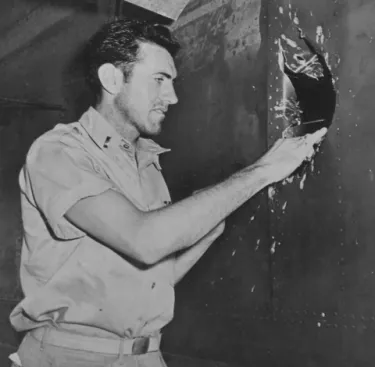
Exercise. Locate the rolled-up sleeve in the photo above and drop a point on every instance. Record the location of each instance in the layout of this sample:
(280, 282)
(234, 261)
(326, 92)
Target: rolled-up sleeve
(56, 177)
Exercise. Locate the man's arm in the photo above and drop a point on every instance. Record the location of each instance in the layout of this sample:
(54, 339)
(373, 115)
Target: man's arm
(185, 261)
(151, 236)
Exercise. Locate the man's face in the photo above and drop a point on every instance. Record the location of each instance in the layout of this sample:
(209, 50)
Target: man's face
(146, 95)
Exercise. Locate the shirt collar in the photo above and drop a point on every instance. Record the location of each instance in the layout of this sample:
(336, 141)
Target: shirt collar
(105, 136)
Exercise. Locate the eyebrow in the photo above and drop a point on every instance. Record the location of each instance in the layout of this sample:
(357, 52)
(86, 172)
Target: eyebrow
(168, 76)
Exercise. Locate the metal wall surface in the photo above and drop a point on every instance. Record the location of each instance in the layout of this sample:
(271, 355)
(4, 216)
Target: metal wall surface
(322, 224)
(316, 262)
(218, 127)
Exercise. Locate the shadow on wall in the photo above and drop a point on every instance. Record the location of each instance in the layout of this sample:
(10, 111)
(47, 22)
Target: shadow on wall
(80, 4)
(76, 92)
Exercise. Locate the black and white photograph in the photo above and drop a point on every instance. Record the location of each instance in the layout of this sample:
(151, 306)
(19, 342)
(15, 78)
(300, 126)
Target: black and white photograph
(187, 183)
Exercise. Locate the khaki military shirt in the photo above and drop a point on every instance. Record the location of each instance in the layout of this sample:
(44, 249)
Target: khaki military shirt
(69, 278)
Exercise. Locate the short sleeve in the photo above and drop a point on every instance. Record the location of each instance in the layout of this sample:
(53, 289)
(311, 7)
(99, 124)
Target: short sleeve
(55, 177)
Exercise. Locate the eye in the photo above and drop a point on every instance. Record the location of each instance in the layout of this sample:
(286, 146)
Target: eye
(159, 79)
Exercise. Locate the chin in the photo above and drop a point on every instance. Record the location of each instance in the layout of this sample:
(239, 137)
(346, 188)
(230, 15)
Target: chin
(151, 132)
(151, 127)
(155, 129)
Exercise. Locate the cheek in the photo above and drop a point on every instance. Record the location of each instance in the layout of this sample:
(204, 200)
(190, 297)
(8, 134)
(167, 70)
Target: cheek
(136, 101)
(143, 98)
(152, 91)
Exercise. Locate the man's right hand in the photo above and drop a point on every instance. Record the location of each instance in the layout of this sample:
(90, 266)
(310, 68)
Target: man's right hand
(286, 155)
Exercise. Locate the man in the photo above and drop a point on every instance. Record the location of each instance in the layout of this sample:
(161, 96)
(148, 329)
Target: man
(103, 246)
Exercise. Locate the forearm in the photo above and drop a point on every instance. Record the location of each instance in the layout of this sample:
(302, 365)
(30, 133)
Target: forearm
(185, 261)
(184, 223)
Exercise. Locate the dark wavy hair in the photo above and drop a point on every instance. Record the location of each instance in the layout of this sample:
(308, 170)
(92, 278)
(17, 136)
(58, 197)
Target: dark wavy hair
(118, 43)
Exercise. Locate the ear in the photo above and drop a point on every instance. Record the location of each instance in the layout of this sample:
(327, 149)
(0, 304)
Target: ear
(111, 78)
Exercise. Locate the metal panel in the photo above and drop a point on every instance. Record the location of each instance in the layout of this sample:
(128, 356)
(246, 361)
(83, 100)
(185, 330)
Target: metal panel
(322, 223)
(318, 310)
(31, 27)
(217, 128)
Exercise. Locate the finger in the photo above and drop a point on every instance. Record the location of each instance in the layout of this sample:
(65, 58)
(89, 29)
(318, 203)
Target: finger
(316, 137)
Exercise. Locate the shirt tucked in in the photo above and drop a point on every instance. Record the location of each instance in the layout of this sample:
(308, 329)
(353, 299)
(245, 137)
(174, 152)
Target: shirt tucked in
(67, 277)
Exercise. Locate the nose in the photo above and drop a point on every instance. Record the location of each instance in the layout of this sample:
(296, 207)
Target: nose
(170, 95)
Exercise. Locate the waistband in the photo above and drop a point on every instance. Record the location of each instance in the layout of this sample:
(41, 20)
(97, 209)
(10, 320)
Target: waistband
(66, 339)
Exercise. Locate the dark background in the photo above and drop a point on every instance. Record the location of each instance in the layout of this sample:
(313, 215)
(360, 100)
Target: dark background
(309, 303)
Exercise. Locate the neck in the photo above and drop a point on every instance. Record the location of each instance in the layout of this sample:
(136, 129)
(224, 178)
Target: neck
(123, 127)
